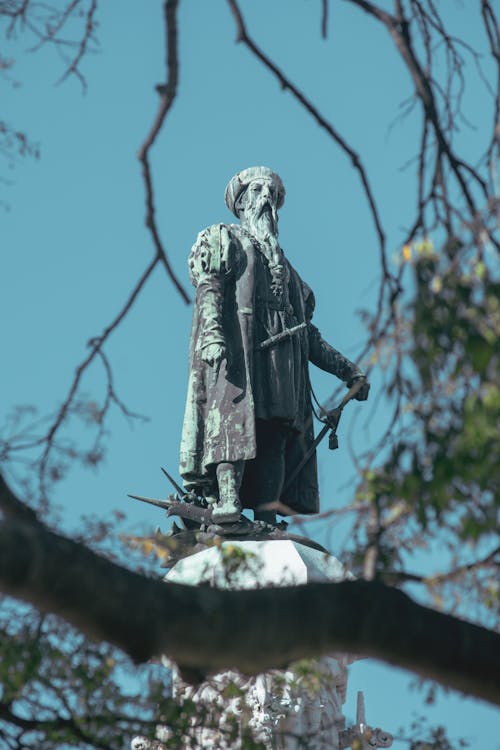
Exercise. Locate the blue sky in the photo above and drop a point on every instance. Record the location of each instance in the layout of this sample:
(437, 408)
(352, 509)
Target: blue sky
(73, 241)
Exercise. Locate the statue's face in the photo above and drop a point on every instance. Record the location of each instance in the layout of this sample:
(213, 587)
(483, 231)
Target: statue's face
(259, 192)
(259, 204)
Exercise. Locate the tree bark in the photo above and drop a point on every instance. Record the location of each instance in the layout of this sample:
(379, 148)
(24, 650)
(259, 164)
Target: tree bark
(207, 630)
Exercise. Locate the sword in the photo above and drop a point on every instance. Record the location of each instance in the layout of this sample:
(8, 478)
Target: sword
(332, 421)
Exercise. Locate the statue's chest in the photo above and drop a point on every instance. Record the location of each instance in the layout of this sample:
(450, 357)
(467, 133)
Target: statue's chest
(271, 282)
(266, 281)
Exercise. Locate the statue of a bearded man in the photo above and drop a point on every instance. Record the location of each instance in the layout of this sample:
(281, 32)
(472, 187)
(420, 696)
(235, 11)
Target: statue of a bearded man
(248, 420)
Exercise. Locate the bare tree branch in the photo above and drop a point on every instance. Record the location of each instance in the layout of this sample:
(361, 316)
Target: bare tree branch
(46, 23)
(324, 18)
(491, 559)
(95, 346)
(398, 26)
(285, 83)
(209, 629)
(83, 46)
(49, 32)
(11, 506)
(493, 33)
(167, 93)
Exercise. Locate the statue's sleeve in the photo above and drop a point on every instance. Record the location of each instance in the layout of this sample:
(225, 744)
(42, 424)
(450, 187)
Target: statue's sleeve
(210, 264)
(321, 353)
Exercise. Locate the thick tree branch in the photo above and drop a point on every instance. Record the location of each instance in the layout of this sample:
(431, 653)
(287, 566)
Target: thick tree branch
(11, 506)
(209, 629)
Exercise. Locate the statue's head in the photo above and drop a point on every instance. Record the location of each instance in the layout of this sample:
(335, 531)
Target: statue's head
(254, 196)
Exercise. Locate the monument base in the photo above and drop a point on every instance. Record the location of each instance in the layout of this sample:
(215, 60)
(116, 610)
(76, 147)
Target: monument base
(294, 709)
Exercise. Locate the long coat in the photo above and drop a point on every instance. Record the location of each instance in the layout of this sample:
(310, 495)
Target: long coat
(227, 267)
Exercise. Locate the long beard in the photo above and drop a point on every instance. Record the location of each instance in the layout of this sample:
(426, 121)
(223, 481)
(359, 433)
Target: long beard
(261, 220)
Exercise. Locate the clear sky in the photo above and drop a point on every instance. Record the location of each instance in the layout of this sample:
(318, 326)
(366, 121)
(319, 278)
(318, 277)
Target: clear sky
(73, 240)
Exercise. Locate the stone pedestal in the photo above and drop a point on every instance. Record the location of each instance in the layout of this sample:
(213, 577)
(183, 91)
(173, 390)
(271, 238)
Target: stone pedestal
(300, 708)
(250, 564)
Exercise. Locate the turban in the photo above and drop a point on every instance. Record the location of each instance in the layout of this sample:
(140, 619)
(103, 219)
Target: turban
(239, 183)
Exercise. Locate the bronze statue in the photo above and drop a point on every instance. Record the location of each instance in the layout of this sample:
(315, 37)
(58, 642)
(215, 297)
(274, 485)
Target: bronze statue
(248, 420)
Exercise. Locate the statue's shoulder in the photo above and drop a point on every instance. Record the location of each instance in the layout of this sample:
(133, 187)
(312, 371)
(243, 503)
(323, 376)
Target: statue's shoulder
(213, 251)
(215, 230)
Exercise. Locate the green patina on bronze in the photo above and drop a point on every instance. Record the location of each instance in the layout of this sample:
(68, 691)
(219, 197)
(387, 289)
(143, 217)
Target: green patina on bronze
(248, 420)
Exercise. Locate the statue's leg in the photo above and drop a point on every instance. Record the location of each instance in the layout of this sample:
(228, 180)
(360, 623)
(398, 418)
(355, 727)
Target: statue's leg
(264, 476)
(268, 516)
(228, 507)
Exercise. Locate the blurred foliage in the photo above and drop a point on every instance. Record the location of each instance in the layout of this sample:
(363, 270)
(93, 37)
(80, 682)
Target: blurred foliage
(436, 737)
(440, 478)
(58, 689)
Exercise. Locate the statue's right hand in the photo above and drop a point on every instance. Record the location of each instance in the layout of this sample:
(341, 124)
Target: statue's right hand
(213, 354)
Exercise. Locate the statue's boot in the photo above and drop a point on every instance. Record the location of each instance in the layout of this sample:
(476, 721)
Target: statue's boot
(227, 510)
(228, 507)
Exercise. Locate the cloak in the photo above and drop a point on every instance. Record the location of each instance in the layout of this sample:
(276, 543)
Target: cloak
(231, 274)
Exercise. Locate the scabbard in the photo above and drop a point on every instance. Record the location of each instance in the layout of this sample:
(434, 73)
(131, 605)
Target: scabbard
(272, 340)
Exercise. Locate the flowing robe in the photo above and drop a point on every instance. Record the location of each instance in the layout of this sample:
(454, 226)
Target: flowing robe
(237, 305)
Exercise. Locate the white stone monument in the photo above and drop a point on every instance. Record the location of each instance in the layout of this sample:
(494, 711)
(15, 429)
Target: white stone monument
(297, 709)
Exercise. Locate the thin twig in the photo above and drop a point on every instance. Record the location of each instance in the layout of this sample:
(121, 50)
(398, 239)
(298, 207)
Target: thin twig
(167, 93)
(286, 83)
(82, 47)
(395, 577)
(324, 18)
(95, 344)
